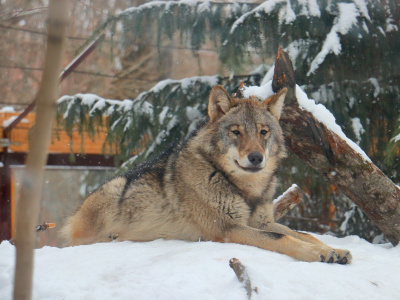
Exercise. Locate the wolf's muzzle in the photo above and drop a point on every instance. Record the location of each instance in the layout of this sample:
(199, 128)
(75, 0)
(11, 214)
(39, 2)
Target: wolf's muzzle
(255, 158)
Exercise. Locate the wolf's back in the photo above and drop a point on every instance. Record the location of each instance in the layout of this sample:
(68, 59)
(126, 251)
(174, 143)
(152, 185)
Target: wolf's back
(119, 204)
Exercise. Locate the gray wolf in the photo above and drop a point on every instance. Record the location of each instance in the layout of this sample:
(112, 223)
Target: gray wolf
(217, 185)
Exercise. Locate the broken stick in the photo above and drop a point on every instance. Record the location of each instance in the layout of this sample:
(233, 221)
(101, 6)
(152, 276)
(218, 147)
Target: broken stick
(287, 201)
(242, 275)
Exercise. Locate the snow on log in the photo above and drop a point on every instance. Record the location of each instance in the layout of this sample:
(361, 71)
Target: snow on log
(287, 201)
(326, 149)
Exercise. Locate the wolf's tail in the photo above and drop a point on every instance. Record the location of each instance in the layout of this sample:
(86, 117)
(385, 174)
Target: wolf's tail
(75, 232)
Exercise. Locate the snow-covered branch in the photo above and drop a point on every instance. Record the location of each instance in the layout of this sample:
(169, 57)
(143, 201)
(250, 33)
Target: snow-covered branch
(158, 115)
(237, 28)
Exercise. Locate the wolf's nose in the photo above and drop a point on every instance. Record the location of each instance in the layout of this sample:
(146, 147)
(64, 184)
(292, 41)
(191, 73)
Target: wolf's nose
(255, 158)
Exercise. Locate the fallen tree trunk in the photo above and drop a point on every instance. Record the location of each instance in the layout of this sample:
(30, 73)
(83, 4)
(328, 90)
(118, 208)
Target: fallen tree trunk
(322, 149)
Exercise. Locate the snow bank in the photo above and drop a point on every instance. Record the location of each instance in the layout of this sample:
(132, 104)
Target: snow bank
(199, 270)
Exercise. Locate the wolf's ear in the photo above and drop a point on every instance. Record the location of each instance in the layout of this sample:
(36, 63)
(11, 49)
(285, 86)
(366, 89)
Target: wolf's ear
(275, 103)
(219, 103)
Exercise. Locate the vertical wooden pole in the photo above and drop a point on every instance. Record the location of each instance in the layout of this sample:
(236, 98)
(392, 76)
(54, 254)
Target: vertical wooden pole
(28, 205)
(5, 198)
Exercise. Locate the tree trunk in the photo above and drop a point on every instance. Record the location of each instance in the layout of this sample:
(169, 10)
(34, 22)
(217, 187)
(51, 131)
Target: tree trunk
(28, 205)
(337, 161)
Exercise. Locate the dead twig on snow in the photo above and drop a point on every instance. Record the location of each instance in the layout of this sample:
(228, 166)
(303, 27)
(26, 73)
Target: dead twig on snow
(242, 275)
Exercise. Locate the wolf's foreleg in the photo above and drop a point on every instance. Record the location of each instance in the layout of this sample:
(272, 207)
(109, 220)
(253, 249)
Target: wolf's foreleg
(279, 228)
(305, 237)
(285, 244)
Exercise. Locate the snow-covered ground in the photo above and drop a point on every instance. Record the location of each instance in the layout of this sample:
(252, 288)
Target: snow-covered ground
(200, 270)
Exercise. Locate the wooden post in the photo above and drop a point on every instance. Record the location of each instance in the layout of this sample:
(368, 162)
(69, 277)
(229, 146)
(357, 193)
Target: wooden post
(28, 206)
(5, 199)
(327, 153)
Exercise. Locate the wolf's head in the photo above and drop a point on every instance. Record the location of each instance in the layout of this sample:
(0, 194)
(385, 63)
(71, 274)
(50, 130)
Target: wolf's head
(245, 133)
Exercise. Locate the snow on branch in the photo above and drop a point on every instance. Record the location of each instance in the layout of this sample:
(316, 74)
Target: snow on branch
(310, 30)
(286, 13)
(192, 18)
(158, 115)
(347, 18)
(393, 147)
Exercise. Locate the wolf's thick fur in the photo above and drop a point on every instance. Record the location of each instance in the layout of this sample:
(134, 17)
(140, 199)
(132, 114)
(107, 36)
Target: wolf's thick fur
(217, 185)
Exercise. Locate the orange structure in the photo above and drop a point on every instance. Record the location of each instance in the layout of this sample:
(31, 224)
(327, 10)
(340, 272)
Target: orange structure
(84, 150)
(61, 142)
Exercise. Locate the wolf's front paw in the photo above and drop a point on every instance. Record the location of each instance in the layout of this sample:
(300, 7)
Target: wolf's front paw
(328, 256)
(344, 256)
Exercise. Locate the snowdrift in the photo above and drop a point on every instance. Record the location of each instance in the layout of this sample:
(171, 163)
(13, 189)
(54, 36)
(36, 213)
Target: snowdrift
(200, 270)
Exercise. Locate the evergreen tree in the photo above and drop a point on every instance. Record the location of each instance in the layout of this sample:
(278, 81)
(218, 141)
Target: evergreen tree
(345, 54)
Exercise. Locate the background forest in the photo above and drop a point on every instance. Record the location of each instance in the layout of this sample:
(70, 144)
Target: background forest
(167, 55)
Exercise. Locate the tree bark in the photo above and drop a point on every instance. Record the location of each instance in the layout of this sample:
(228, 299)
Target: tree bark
(28, 205)
(323, 150)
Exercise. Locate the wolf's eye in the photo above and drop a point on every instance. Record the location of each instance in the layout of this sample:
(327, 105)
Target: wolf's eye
(236, 132)
(263, 132)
